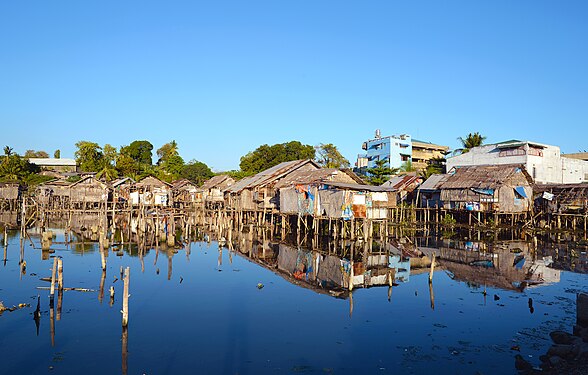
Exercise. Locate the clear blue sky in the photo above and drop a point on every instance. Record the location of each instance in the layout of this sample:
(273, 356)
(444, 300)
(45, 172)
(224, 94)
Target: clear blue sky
(223, 77)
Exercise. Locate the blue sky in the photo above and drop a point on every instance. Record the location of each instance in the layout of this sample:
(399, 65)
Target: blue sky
(223, 77)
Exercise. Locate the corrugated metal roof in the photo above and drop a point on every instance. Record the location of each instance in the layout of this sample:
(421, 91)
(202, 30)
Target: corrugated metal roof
(53, 162)
(401, 182)
(433, 182)
(215, 181)
(316, 176)
(151, 181)
(483, 177)
(269, 175)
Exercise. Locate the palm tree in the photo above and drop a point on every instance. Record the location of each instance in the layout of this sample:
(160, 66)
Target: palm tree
(471, 141)
(7, 150)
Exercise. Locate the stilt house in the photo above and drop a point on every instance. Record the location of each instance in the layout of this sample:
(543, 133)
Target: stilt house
(258, 192)
(212, 190)
(89, 193)
(490, 188)
(150, 191)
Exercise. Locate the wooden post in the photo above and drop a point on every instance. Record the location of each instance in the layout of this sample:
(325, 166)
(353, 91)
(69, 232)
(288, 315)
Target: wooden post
(125, 308)
(60, 275)
(53, 272)
(125, 343)
(432, 269)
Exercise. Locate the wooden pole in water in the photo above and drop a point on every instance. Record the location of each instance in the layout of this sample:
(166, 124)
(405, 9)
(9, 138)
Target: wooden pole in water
(125, 343)
(432, 269)
(125, 308)
(60, 275)
(52, 293)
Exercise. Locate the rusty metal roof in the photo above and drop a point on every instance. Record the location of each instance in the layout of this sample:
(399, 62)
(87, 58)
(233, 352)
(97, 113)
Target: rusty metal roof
(433, 182)
(402, 182)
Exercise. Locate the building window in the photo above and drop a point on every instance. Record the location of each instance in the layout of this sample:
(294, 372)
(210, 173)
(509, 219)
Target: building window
(534, 172)
(535, 151)
(512, 152)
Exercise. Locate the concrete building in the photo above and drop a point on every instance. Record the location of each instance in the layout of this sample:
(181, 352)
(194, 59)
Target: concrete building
(397, 150)
(543, 162)
(55, 165)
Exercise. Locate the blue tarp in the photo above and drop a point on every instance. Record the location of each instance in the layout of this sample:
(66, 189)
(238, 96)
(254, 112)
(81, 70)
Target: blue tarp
(484, 191)
(521, 191)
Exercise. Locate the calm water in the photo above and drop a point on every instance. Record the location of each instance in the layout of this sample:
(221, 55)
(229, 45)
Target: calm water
(206, 314)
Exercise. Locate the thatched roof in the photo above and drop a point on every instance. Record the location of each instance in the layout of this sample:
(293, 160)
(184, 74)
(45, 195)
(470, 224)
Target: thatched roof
(270, 175)
(483, 177)
(151, 181)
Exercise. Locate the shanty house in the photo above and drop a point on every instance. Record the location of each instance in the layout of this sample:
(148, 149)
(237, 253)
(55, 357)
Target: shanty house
(88, 193)
(495, 188)
(184, 193)
(150, 191)
(53, 194)
(430, 191)
(258, 191)
(570, 198)
(121, 190)
(212, 190)
(10, 192)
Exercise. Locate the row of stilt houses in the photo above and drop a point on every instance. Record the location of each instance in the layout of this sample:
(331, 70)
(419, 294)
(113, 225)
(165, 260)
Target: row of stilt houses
(301, 193)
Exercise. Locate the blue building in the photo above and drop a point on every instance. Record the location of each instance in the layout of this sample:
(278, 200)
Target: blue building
(395, 149)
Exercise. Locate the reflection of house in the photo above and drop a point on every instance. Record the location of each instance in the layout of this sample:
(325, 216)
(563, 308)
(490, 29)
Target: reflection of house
(430, 191)
(497, 188)
(543, 162)
(506, 265)
(212, 190)
(88, 193)
(150, 191)
(258, 191)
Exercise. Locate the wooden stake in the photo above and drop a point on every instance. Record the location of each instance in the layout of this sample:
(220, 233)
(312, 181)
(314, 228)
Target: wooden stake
(125, 308)
(52, 293)
(60, 274)
(432, 269)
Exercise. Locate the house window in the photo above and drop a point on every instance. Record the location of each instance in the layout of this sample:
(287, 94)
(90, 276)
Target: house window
(534, 172)
(512, 152)
(585, 176)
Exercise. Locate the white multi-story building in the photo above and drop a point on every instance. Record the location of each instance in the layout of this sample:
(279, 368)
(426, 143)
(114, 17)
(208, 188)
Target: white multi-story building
(543, 162)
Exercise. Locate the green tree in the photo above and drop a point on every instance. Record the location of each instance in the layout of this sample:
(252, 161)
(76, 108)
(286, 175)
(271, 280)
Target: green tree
(266, 156)
(380, 173)
(196, 172)
(166, 151)
(471, 141)
(328, 156)
(89, 156)
(35, 154)
(435, 166)
(139, 151)
(171, 169)
(407, 167)
(57, 154)
(13, 167)
(108, 171)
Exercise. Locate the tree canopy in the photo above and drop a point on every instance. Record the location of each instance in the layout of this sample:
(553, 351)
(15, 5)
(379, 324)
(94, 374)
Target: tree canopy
(380, 173)
(89, 156)
(36, 154)
(328, 156)
(471, 141)
(139, 151)
(266, 156)
(196, 172)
